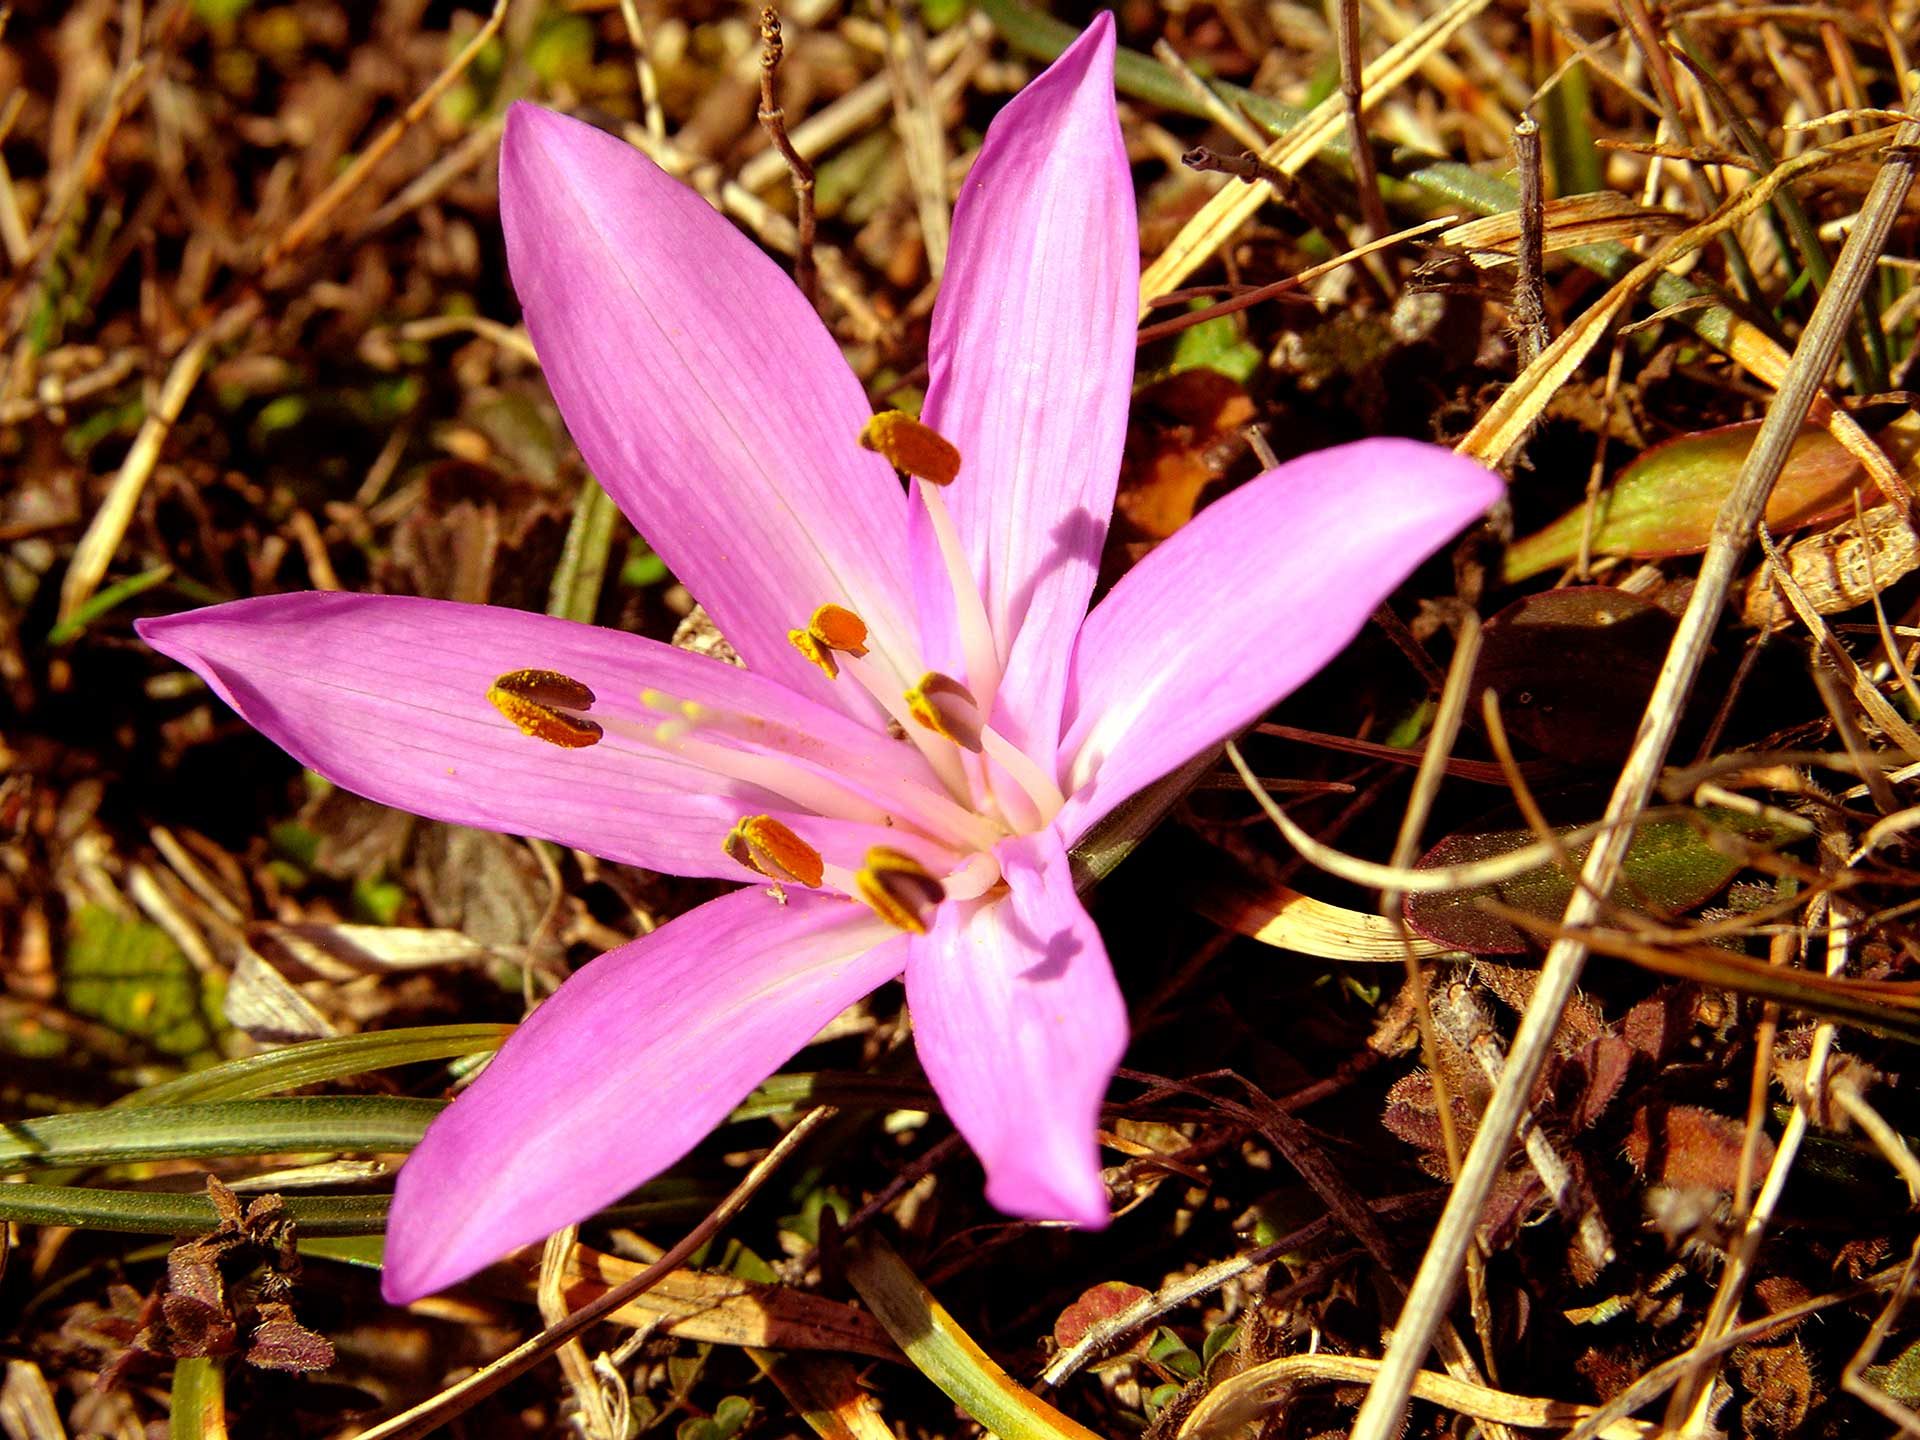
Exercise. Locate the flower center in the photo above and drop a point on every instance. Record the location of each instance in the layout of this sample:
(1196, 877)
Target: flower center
(920, 831)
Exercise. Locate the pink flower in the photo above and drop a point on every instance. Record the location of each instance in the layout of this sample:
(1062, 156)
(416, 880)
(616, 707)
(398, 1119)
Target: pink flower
(915, 812)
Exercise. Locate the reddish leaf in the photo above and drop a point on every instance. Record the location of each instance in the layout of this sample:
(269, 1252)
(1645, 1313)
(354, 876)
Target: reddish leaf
(1573, 669)
(1102, 1302)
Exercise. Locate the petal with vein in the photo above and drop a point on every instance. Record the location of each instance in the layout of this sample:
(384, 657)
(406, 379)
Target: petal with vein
(630, 1064)
(386, 696)
(705, 394)
(1247, 602)
(1019, 1025)
(1030, 367)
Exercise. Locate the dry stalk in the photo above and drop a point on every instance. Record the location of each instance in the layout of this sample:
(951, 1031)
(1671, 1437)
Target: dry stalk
(1853, 1379)
(654, 117)
(594, 1419)
(1386, 1403)
(1529, 285)
(855, 110)
(923, 139)
(1366, 176)
(774, 121)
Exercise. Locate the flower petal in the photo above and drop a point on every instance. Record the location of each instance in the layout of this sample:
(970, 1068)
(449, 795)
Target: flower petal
(1019, 1025)
(387, 696)
(705, 394)
(1030, 366)
(630, 1064)
(1246, 602)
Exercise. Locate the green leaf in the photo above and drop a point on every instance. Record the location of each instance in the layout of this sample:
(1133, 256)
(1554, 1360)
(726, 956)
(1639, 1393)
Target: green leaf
(1219, 1340)
(1217, 345)
(131, 976)
(1665, 502)
(1901, 1378)
(360, 1124)
(731, 1415)
(312, 1061)
(946, 1354)
(1161, 1396)
(1170, 1352)
(106, 600)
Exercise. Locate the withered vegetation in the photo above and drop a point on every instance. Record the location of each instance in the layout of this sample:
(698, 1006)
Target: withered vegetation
(258, 337)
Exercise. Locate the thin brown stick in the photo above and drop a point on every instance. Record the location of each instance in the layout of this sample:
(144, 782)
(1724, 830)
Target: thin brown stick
(1249, 298)
(774, 121)
(457, 1399)
(1366, 176)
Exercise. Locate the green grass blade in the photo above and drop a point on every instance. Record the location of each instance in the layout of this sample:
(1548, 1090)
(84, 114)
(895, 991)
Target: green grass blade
(575, 591)
(142, 1212)
(311, 1061)
(197, 1407)
(362, 1125)
(946, 1354)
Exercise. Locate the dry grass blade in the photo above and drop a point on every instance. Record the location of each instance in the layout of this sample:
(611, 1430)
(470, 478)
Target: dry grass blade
(104, 532)
(1437, 880)
(1433, 1287)
(1256, 1394)
(1566, 222)
(1508, 420)
(457, 1399)
(1233, 206)
(1288, 920)
(311, 221)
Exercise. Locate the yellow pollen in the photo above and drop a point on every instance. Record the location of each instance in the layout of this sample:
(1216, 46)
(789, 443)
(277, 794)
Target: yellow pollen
(899, 889)
(805, 642)
(946, 707)
(532, 700)
(908, 445)
(764, 845)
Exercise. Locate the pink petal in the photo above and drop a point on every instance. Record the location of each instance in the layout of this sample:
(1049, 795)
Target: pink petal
(705, 394)
(1031, 361)
(1246, 602)
(387, 697)
(1019, 1025)
(630, 1064)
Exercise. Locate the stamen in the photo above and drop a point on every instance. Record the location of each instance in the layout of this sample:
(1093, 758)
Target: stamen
(973, 879)
(767, 847)
(899, 889)
(945, 764)
(805, 642)
(1041, 787)
(531, 699)
(910, 446)
(838, 628)
(833, 627)
(969, 607)
(946, 707)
